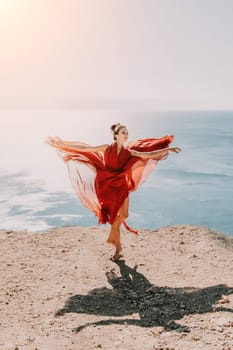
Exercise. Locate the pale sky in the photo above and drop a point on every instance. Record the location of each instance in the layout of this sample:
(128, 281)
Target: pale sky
(167, 53)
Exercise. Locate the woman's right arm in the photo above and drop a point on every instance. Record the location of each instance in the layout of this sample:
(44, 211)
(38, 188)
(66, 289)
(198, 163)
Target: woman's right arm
(58, 143)
(148, 155)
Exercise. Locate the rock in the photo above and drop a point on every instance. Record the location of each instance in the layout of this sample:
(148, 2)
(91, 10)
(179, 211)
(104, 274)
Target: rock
(221, 321)
(31, 339)
(152, 289)
(224, 299)
(196, 337)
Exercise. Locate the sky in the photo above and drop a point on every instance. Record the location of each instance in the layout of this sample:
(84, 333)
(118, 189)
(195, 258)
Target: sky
(159, 53)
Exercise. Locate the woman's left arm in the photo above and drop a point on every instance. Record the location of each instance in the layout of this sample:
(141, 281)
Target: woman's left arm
(152, 154)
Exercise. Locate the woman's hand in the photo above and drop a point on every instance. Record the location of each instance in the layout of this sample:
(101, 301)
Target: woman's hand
(175, 149)
(55, 141)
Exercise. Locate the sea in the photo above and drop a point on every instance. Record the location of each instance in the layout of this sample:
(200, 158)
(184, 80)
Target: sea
(193, 187)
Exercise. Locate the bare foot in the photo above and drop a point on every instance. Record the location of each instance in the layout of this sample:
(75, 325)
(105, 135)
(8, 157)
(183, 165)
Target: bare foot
(116, 257)
(117, 254)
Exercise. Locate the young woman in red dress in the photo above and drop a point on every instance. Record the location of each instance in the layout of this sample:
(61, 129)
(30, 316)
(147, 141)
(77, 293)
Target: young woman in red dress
(103, 176)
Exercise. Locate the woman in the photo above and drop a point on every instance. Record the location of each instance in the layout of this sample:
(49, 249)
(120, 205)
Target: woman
(104, 175)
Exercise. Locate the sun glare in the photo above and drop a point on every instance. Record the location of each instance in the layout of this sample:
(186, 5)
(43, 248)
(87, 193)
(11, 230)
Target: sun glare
(5, 5)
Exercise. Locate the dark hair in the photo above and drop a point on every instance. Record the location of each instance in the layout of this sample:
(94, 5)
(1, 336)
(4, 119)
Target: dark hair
(115, 128)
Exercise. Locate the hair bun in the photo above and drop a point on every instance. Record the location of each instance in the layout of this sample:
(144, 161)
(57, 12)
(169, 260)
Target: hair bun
(114, 126)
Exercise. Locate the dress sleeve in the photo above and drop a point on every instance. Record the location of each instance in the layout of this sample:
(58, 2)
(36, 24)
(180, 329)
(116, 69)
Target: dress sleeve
(82, 169)
(139, 169)
(150, 144)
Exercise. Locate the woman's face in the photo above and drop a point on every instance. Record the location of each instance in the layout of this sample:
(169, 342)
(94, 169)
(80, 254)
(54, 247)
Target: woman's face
(122, 135)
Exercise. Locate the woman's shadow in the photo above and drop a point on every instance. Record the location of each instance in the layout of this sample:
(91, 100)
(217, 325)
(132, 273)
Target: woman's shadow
(132, 293)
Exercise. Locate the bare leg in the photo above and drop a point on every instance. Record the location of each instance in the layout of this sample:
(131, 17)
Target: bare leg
(114, 235)
(114, 238)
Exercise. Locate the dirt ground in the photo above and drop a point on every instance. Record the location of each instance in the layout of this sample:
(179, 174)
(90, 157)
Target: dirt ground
(172, 289)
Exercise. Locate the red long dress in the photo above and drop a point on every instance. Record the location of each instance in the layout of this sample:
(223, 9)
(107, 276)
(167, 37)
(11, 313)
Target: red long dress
(103, 181)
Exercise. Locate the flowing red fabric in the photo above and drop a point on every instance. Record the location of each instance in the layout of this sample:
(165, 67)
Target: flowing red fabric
(103, 181)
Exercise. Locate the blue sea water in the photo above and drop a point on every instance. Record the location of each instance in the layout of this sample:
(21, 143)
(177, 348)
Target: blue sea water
(192, 187)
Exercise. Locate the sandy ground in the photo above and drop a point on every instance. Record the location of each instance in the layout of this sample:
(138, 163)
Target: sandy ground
(172, 289)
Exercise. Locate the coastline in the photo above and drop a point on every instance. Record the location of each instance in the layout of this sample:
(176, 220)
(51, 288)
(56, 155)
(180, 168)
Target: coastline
(172, 289)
